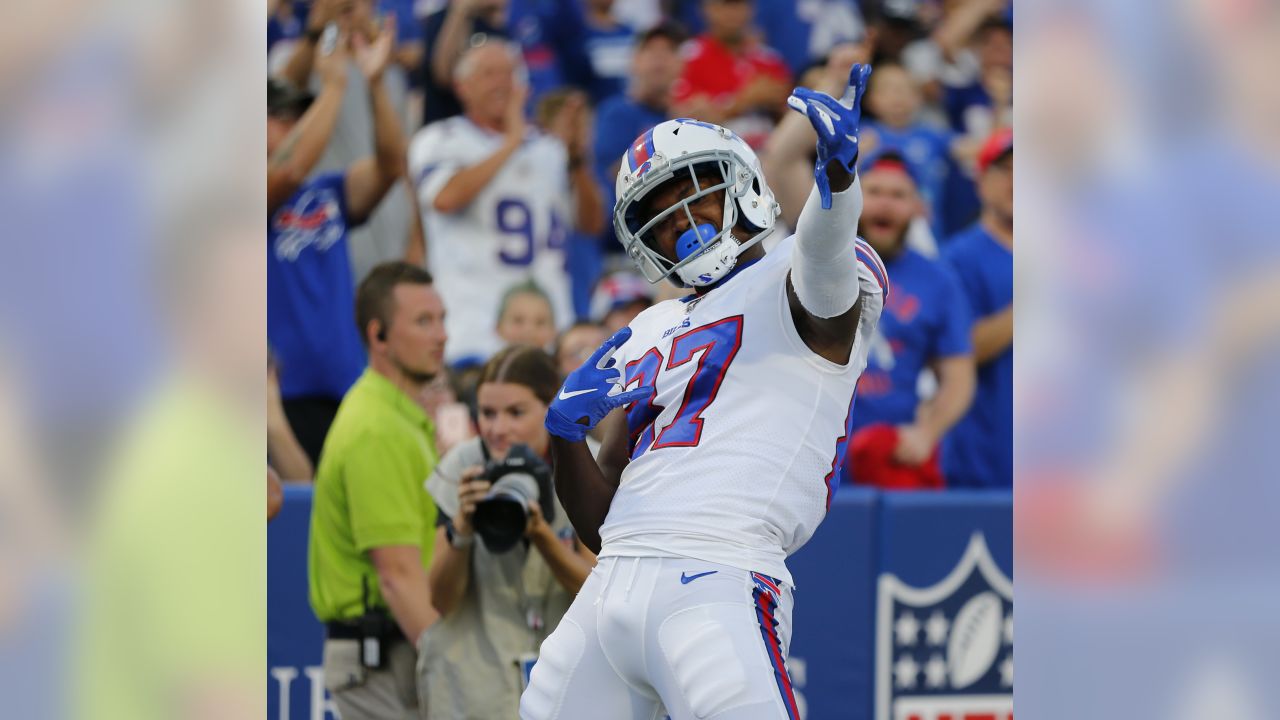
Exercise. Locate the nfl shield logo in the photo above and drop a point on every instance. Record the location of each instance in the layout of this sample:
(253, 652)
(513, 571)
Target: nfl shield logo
(945, 652)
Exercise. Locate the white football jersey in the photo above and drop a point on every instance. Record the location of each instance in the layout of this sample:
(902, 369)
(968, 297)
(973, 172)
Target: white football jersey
(734, 459)
(515, 230)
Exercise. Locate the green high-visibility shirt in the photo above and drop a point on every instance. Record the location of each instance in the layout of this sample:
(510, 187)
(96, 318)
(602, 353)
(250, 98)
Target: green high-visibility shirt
(368, 493)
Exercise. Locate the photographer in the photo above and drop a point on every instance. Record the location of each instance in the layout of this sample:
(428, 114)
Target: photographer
(506, 563)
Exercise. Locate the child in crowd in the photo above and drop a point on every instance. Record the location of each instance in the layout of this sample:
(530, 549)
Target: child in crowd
(525, 317)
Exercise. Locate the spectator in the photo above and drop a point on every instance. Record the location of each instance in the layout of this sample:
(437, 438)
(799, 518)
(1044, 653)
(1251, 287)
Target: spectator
(895, 100)
(284, 452)
(971, 55)
(806, 31)
(576, 344)
(309, 284)
(550, 37)
(731, 77)
(448, 32)
(389, 231)
(979, 450)
(618, 299)
(525, 317)
(896, 25)
(496, 197)
(496, 604)
(986, 104)
(655, 68)
(966, 67)
(372, 525)
(609, 45)
(925, 325)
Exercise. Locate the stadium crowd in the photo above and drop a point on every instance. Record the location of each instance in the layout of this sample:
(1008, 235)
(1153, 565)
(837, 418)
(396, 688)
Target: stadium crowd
(440, 187)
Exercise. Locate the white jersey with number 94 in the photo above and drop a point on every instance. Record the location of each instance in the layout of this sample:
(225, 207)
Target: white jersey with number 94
(514, 230)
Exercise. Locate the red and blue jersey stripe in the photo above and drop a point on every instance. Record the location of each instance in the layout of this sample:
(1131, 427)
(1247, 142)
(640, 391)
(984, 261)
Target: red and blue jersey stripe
(765, 596)
(871, 260)
(834, 477)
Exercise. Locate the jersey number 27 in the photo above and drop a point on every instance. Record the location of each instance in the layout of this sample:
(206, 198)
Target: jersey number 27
(715, 345)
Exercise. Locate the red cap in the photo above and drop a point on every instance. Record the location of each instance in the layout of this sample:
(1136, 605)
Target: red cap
(1000, 142)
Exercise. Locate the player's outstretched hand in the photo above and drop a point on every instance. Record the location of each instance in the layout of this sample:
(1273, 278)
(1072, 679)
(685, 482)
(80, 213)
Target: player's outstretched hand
(836, 122)
(591, 392)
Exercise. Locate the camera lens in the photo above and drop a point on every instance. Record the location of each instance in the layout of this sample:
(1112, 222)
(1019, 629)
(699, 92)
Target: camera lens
(500, 519)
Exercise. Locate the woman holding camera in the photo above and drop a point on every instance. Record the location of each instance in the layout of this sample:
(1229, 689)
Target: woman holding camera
(500, 590)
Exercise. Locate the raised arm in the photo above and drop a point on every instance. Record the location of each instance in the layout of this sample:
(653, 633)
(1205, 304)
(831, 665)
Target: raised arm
(788, 154)
(824, 285)
(451, 40)
(298, 154)
(590, 393)
(572, 124)
(958, 25)
(297, 69)
(369, 179)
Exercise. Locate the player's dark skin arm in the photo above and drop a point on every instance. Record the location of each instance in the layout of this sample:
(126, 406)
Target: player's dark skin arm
(586, 487)
(831, 338)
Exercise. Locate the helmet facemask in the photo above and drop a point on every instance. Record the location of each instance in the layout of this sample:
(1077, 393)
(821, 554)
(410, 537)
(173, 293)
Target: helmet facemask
(705, 254)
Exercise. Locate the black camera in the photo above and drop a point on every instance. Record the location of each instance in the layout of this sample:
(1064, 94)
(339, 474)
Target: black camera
(519, 480)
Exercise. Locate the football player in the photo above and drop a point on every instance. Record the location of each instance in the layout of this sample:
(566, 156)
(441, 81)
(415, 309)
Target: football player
(737, 401)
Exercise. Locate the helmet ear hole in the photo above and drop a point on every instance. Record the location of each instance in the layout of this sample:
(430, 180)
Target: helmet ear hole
(755, 185)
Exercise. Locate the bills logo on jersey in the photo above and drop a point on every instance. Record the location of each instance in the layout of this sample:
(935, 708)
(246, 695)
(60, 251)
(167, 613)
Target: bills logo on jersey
(945, 652)
(672, 330)
(312, 219)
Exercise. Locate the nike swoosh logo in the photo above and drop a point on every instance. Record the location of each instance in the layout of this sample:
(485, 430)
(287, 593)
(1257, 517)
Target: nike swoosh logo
(686, 579)
(566, 395)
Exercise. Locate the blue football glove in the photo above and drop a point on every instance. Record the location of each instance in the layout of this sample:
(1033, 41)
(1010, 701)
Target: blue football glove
(591, 391)
(836, 123)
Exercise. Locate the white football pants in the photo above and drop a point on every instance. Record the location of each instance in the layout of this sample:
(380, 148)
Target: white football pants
(647, 637)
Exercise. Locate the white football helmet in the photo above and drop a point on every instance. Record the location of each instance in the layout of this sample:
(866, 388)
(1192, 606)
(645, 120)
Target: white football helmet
(705, 254)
